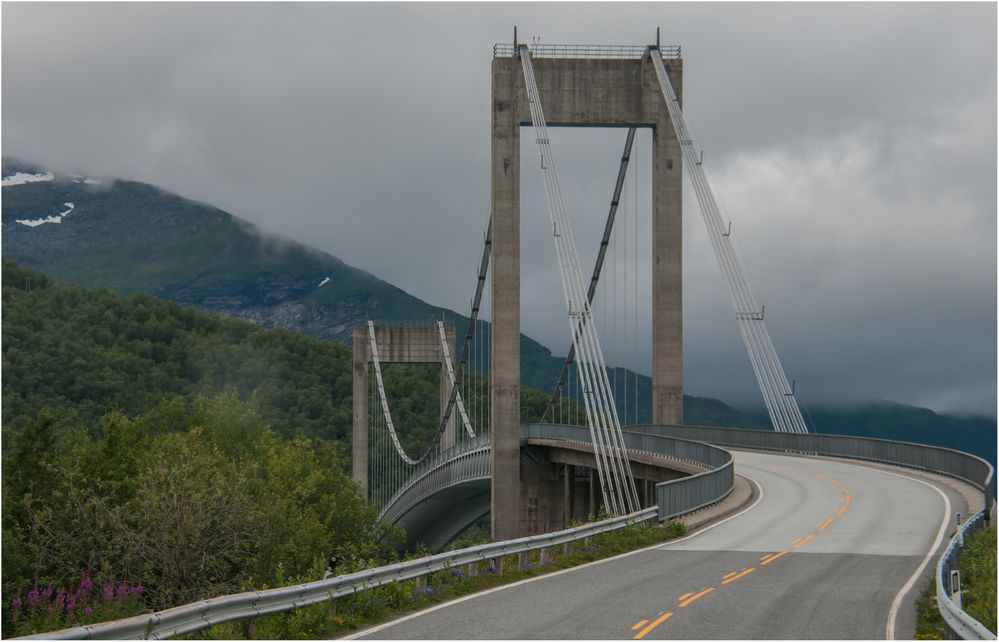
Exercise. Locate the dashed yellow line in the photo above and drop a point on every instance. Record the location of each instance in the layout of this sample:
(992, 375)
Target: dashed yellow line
(662, 618)
(824, 524)
(696, 596)
(725, 577)
(740, 575)
(767, 556)
(639, 624)
(774, 558)
(684, 596)
(841, 510)
(844, 490)
(804, 540)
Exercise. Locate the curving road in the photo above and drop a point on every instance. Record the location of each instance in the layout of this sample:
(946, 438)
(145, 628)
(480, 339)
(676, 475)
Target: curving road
(824, 552)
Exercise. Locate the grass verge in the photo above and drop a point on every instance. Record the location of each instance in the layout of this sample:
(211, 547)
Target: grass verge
(977, 564)
(374, 606)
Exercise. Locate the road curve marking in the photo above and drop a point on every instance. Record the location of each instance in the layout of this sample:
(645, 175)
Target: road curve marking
(775, 558)
(662, 618)
(696, 597)
(823, 525)
(804, 540)
(638, 625)
(740, 575)
(537, 578)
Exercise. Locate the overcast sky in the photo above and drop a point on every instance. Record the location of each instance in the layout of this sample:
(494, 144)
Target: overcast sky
(852, 145)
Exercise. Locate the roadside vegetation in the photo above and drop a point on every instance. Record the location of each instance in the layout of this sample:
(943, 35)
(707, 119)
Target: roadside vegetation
(977, 564)
(374, 606)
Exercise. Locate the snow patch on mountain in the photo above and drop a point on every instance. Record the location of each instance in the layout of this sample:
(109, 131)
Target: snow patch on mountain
(35, 222)
(20, 178)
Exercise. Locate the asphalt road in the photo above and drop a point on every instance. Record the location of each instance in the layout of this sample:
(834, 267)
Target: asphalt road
(824, 553)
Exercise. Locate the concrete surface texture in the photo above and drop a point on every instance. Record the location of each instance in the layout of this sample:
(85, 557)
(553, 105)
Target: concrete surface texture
(581, 92)
(823, 553)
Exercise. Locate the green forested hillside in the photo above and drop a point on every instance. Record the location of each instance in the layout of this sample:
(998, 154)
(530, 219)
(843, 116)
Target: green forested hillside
(136, 238)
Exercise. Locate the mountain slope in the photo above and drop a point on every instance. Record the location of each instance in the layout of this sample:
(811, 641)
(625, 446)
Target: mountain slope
(133, 237)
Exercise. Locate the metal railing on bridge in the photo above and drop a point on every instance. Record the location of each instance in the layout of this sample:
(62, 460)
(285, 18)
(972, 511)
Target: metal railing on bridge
(506, 50)
(953, 463)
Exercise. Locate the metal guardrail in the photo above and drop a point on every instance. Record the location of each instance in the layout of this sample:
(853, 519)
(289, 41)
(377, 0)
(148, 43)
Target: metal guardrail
(506, 50)
(962, 624)
(953, 463)
(206, 613)
(674, 497)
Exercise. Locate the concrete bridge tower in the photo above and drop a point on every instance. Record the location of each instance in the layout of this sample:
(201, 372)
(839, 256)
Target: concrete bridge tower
(578, 86)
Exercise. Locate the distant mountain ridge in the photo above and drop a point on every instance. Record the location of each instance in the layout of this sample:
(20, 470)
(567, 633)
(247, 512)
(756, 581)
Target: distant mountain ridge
(134, 237)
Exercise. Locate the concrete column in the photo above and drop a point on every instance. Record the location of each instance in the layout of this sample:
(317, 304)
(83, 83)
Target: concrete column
(569, 494)
(504, 394)
(667, 265)
(359, 435)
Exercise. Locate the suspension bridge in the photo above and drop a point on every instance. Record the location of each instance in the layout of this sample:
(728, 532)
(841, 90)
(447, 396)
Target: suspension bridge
(478, 461)
(830, 534)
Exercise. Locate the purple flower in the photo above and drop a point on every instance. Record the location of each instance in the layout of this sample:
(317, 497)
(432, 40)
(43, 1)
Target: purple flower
(70, 603)
(47, 592)
(138, 589)
(122, 590)
(33, 596)
(16, 603)
(86, 584)
(87, 610)
(108, 591)
(57, 603)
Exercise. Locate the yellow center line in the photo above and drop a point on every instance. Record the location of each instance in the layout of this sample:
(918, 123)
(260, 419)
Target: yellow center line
(840, 510)
(804, 541)
(796, 542)
(639, 624)
(766, 557)
(684, 596)
(834, 482)
(825, 524)
(845, 490)
(696, 597)
(775, 557)
(849, 498)
(655, 623)
(729, 575)
(742, 574)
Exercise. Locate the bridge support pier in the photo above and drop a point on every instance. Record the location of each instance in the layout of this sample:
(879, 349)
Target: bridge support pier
(619, 92)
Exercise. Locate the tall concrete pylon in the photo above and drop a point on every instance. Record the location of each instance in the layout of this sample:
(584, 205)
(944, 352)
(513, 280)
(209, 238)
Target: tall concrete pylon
(579, 86)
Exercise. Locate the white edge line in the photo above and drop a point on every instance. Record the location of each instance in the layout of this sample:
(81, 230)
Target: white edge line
(897, 602)
(496, 589)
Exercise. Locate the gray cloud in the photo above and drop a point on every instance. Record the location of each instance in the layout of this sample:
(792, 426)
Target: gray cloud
(854, 146)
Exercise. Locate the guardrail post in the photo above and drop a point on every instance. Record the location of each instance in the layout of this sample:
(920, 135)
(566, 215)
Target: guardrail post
(522, 562)
(566, 548)
(545, 557)
(473, 569)
(421, 584)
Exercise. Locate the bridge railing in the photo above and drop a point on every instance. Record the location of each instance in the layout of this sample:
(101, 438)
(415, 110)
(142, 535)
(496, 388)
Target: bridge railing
(966, 467)
(674, 497)
(201, 615)
(463, 462)
(958, 621)
(506, 50)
